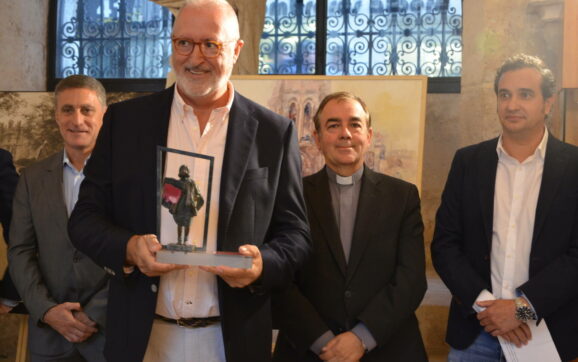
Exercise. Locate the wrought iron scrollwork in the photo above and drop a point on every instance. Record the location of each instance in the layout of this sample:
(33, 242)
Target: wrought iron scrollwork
(369, 37)
(288, 41)
(113, 39)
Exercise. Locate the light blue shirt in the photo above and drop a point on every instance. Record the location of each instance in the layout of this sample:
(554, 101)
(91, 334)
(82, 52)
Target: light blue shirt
(72, 178)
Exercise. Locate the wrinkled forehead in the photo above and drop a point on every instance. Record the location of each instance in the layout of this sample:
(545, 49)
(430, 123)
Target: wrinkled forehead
(206, 22)
(77, 97)
(527, 78)
(348, 107)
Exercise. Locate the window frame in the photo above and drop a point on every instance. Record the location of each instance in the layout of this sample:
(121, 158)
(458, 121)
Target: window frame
(434, 84)
(110, 84)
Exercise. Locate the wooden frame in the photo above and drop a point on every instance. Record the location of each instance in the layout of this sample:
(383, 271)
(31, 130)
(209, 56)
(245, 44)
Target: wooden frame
(396, 105)
(570, 52)
(570, 71)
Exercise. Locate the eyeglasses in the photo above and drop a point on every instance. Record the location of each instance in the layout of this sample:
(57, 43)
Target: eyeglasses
(209, 48)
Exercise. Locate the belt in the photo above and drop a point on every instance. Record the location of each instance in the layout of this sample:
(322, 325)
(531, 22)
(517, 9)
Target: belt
(190, 322)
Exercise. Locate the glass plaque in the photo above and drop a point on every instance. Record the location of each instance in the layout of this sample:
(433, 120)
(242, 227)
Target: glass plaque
(183, 210)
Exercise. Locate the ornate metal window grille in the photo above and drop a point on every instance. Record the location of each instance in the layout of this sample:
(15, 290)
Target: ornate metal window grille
(366, 37)
(112, 39)
(288, 40)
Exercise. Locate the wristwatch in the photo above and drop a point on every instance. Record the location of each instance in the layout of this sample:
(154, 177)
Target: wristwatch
(524, 312)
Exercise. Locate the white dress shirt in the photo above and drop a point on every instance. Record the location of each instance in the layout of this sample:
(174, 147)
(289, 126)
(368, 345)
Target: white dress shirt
(515, 200)
(192, 292)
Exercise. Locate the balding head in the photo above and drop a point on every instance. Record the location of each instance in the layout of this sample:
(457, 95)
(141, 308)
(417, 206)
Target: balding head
(202, 75)
(230, 13)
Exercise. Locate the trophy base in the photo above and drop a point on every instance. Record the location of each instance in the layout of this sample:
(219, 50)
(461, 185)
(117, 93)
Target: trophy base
(185, 255)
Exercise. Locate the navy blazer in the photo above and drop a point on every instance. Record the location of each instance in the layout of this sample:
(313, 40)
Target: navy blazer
(463, 238)
(260, 201)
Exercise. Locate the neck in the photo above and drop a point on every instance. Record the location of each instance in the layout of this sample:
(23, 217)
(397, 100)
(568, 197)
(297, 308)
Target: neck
(345, 170)
(204, 105)
(521, 147)
(77, 157)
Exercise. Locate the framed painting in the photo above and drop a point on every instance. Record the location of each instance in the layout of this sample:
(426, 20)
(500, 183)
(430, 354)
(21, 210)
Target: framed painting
(396, 105)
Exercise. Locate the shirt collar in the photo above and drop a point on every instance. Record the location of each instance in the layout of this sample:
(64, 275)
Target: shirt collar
(66, 162)
(344, 181)
(539, 152)
(180, 106)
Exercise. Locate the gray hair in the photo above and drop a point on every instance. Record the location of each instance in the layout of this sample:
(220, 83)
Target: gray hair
(340, 97)
(223, 3)
(81, 81)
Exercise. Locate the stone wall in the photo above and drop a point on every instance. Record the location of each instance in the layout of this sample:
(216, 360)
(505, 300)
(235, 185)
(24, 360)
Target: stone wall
(23, 41)
(493, 30)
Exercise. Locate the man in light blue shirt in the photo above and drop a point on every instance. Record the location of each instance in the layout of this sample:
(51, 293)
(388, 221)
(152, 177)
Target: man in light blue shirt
(64, 291)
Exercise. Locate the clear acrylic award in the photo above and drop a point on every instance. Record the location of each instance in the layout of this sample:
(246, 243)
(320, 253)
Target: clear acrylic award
(183, 210)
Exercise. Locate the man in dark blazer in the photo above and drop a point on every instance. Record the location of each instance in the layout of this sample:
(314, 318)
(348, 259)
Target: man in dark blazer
(356, 297)
(64, 291)
(507, 227)
(8, 179)
(261, 208)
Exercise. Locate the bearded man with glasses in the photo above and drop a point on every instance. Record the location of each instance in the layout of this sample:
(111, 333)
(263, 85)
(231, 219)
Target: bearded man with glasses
(165, 312)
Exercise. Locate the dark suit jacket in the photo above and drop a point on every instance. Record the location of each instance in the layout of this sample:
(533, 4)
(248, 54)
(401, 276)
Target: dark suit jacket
(463, 239)
(8, 181)
(47, 270)
(381, 286)
(260, 202)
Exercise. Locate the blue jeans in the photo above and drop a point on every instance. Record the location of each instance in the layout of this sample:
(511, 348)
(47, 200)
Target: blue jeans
(484, 349)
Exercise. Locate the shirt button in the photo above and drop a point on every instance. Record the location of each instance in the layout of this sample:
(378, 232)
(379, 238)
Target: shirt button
(347, 294)
(154, 288)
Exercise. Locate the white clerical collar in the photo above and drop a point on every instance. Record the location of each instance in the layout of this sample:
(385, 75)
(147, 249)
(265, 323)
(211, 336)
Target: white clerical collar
(344, 180)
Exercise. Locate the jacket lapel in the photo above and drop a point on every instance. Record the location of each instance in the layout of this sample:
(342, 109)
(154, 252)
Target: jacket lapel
(370, 208)
(241, 133)
(554, 167)
(153, 133)
(487, 166)
(53, 189)
(158, 117)
(319, 199)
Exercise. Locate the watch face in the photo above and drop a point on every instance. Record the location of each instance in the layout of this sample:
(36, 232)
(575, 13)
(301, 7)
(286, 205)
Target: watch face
(524, 314)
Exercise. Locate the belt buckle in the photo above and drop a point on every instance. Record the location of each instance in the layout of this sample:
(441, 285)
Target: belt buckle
(180, 323)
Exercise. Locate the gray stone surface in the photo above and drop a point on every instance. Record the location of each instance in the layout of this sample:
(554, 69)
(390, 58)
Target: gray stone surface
(24, 45)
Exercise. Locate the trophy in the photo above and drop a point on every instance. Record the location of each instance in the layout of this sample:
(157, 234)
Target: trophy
(183, 210)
